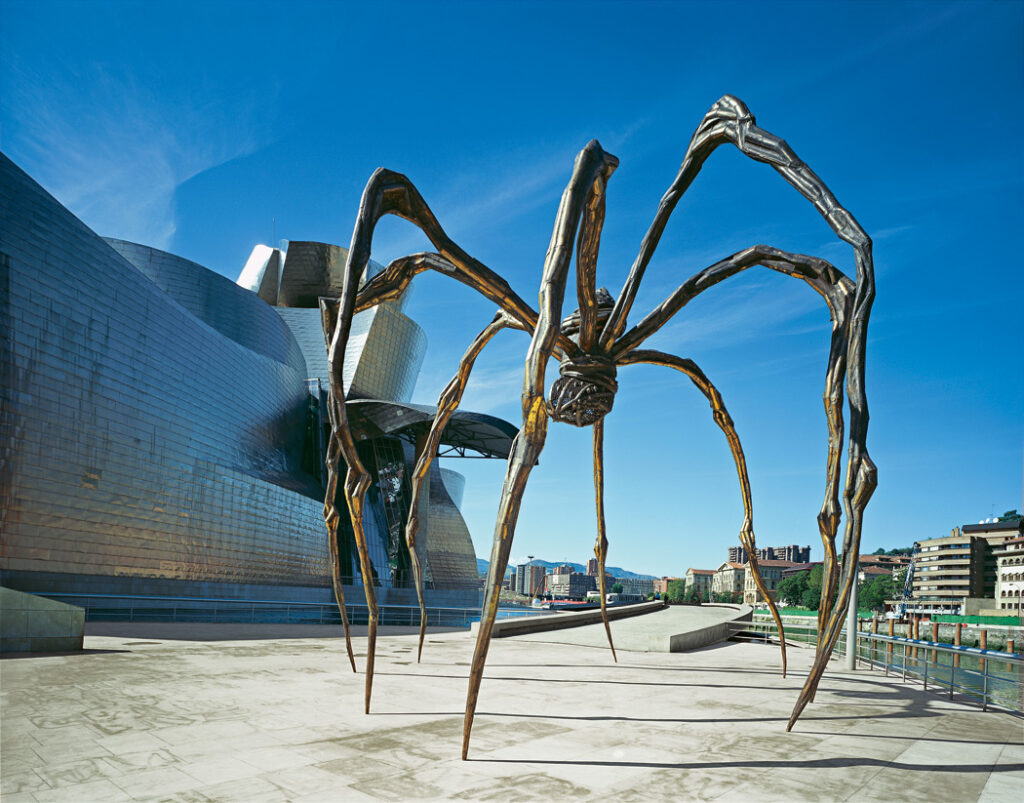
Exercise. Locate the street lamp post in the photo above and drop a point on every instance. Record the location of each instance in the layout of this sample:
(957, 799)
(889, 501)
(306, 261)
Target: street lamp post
(851, 628)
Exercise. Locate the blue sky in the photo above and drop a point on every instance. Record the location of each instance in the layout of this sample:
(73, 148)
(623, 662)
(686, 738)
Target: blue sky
(208, 128)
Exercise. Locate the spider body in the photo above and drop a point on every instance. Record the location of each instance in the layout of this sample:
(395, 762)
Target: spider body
(584, 392)
(591, 345)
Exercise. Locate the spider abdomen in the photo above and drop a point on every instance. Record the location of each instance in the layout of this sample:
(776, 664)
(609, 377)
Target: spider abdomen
(584, 392)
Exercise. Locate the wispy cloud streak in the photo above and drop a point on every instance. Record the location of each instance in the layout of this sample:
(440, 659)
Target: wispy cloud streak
(477, 202)
(116, 154)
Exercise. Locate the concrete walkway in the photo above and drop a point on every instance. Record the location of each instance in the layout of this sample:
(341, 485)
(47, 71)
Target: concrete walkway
(652, 632)
(139, 716)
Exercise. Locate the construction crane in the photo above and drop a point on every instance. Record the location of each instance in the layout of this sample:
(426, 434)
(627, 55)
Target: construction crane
(901, 609)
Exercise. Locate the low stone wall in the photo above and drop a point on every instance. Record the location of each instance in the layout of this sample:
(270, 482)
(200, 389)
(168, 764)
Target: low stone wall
(557, 621)
(712, 634)
(35, 624)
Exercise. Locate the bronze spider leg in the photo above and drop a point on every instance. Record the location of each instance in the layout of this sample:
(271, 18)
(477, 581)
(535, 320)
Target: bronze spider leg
(388, 192)
(591, 165)
(601, 544)
(725, 423)
(331, 515)
(729, 120)
(447, 404)
(838, 292)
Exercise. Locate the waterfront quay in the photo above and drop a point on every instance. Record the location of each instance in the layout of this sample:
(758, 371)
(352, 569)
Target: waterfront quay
(186, 712)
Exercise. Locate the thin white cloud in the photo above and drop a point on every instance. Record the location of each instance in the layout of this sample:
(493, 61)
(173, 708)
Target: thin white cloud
(114, 151)
(479, 201)
(747, 312)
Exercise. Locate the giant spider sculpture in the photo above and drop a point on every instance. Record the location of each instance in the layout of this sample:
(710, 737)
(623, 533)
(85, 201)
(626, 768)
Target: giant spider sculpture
(590, 345)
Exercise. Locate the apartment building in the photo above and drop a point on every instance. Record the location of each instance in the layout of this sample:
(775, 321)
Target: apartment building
(700, 579)
(958, 573)
(771, 574)
(728, 578)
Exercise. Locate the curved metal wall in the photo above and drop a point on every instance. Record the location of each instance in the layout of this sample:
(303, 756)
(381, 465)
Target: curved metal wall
(144, 435)
(216, 301)
(450, 553)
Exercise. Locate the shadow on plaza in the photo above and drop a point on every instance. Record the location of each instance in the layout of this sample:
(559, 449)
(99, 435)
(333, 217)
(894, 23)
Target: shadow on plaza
(814, 763)
(7, 656)
(600, 681)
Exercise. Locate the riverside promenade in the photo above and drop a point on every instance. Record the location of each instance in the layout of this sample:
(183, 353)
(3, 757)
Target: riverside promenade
(250, 713)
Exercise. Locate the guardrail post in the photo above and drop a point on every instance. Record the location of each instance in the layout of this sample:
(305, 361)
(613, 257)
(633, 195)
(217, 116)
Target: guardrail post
(1009, 649)
(851, 629)
(952, 672)
(984, 688)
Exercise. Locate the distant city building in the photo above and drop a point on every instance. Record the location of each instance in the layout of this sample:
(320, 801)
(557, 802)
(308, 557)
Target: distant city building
(661, 585)
(570, 585)
(737, 554)
(700, 580)
(529, 579)
(1010, 575)
(728, 579)
(771, 573)
(868, 566)
(794, 553)
(565, 568)
(592, 568)
(636, 586)
(958, 572)
(520, 576)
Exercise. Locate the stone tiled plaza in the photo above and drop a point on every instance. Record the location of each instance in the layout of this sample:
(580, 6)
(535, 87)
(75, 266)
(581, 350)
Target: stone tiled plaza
(246, 713)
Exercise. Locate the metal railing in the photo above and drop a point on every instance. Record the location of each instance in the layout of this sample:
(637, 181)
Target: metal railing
(121, 608)
(988, 677)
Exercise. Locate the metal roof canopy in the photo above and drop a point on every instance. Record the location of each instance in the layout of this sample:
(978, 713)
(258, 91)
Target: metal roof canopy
(472, 435)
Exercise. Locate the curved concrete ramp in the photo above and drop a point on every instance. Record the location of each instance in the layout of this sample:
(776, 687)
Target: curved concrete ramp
(677, 628)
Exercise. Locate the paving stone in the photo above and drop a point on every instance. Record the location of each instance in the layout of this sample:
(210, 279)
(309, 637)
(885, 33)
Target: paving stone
(198, 721)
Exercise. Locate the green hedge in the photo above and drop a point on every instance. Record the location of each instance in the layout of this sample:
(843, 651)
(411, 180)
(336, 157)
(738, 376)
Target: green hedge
(975, 620)
(810, 612)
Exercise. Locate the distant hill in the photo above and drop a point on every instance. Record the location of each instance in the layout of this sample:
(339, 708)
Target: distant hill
(482, 566)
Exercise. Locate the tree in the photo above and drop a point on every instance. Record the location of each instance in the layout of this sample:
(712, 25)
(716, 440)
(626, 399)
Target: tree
(791, 589)
(693, 595)
(616, 588)
(873, 593)
(676, 590)
(811, 598)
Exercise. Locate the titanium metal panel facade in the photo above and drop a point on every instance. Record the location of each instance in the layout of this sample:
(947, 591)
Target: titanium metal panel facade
(157, 434)
(449, 548)
(385, 354)
(139, 440)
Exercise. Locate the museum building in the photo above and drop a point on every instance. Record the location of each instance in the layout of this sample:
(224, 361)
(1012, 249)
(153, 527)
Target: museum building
(163, 429)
